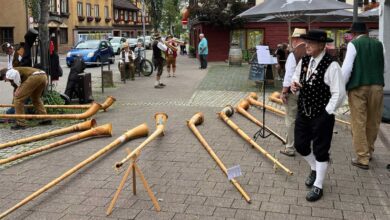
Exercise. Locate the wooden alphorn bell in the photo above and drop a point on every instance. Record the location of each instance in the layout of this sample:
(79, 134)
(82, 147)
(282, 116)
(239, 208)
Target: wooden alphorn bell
(103, 130)
(161, 119)
(92, 110)
(139, 131)
(78, 127)
(242, 108)
(252, 99)
(198, 119)
(275, 97)
(227, 112)
(104, 106)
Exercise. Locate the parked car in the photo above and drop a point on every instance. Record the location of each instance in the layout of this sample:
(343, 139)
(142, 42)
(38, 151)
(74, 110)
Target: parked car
(117, 43)
(148, 41)
(91, 51)
(132, 42)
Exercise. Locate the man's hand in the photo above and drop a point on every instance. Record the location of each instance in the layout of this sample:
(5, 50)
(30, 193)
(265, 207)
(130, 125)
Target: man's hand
(283, 94)
(295, 86)
(16, 93)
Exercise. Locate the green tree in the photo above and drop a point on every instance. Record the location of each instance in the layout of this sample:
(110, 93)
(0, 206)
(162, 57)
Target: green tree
(40, 12)
(171, 17)
(155, 11)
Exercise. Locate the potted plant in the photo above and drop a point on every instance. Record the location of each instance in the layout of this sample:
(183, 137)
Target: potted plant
(191, 52)
(81, 18)
(97, 19)
(89, 18)
(107, 19)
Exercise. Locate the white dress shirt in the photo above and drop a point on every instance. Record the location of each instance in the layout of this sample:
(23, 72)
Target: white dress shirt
(291, 64)
(162, 46)
(13, 75)
(333, 78)
(10, 60)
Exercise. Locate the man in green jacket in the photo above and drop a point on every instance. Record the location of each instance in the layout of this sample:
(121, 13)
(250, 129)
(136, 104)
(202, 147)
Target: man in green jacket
(363, 72)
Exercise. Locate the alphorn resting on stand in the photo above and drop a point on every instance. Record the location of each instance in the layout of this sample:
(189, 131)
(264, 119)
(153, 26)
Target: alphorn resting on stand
(197, 119)
(242, 108)
(139, 131)
(104, 106)
(77, 127)
(229, 111)
(161, 119)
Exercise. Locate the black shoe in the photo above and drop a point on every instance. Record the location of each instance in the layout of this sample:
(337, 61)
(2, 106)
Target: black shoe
(311, 178)
(45, 122)
(162, 84)
(158, 87)
(18, 127)
(314, 194)
(356, 163)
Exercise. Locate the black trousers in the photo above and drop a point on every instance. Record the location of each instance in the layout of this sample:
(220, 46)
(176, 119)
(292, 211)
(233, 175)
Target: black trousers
(318, 131)
(203, 61)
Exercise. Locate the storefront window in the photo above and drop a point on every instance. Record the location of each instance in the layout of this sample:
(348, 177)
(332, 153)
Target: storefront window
(238, 36)
(254, 37)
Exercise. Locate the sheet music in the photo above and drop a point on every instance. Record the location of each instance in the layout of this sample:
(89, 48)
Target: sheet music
(264, 56)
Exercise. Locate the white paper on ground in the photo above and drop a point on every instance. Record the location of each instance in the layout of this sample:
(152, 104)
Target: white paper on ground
(234, 172)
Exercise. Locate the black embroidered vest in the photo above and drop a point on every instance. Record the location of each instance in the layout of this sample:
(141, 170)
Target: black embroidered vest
(314, 94)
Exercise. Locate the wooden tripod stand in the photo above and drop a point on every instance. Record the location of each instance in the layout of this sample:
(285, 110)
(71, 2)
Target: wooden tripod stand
(133, 167)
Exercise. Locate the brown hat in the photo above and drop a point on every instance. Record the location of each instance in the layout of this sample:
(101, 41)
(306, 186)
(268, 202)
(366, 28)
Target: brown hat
(3, 73)
(156, 36)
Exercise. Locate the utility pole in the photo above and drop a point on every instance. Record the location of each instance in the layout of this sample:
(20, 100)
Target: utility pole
(355, 10)
(143, 25)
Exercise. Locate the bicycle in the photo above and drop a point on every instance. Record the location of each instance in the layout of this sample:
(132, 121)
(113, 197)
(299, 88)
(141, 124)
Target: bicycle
(143, 66)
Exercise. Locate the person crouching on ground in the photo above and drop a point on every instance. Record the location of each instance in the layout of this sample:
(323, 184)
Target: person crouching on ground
(318, 78)
(127, 57)
(171, 55)
(27, 82)
(158, 47)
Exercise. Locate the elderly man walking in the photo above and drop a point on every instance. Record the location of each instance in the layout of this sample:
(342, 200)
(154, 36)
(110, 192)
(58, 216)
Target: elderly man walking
(289, 99)
(318, 78)
(363, 70)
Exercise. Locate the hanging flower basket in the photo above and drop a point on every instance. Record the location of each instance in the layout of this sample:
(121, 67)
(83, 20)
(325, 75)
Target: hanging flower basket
(89, 18)
(107, 19)
(97, 19)
(81, 18)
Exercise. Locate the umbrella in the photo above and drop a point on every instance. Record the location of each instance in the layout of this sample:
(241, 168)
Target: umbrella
(290, 9)
(371, 13)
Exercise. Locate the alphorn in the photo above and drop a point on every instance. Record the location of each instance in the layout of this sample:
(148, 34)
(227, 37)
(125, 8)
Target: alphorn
(139, 131)
(198, 119)
(274, 97)
(242, 108)
(103, 130)
(229, 111)
(161, 119)
(78, 127)
(104, 106)
(93, 109)
(252, 99)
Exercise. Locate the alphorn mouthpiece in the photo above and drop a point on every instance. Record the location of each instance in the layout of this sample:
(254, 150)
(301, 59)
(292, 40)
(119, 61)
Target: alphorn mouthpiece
(228, 110)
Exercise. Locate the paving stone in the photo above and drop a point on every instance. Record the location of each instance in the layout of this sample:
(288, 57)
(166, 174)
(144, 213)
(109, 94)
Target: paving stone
(200, 210)
(300, 210)
(79, 209)
(73, 216)
(358, 215)
(249, 214)
(147, 214)
(195, 200)
(274, 207)
(225, 212)
(219, 202)
(242, 204)
(275, 216)
(327, 213)
(348, 206)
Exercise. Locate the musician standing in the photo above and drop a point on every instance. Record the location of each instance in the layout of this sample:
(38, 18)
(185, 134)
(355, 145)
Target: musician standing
(318, 77)
(128, 68)
(158, 47)
(27, 82)
(171, 55)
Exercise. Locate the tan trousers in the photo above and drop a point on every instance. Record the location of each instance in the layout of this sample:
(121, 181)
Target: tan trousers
(33, 87)
(366, 106)
(291, 114)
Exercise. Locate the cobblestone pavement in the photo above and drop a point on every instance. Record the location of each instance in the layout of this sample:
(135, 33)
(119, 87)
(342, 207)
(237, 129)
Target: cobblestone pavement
(184, 178)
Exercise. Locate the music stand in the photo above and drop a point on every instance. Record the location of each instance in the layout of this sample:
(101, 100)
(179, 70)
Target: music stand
(264, 57)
